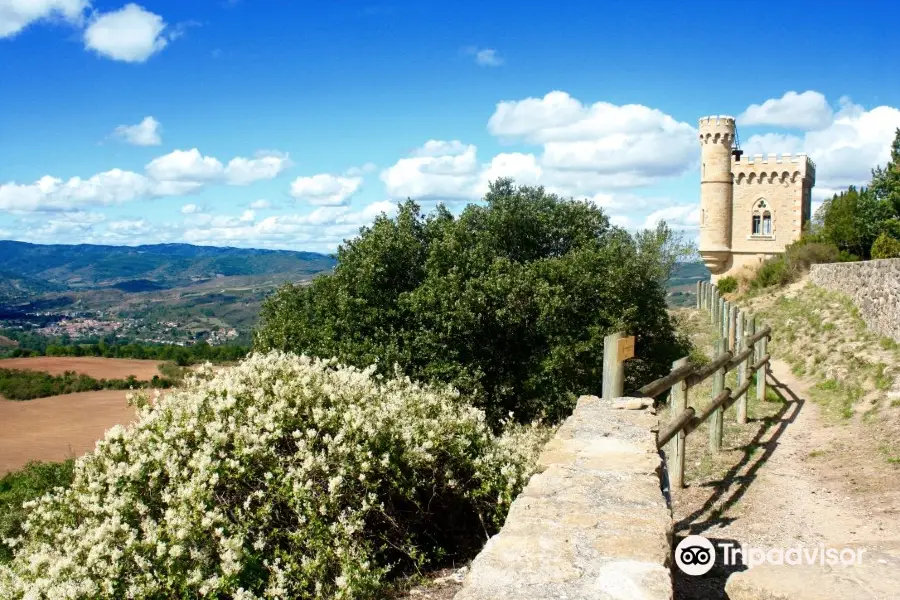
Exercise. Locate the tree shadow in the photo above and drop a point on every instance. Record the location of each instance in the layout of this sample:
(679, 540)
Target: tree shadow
(731, 488)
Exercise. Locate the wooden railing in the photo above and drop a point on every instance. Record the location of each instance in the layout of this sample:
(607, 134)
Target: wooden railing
(740, 346)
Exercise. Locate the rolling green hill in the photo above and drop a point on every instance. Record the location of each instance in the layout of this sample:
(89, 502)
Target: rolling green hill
(142, 268)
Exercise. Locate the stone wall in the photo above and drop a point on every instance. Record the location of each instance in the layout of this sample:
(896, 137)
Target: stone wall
(592, 523)
(874, 286)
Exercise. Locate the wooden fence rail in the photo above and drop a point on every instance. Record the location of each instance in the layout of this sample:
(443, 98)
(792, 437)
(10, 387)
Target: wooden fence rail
(739, 346)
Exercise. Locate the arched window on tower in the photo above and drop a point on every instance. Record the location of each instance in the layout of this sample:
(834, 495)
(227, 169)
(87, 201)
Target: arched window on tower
(761, 218)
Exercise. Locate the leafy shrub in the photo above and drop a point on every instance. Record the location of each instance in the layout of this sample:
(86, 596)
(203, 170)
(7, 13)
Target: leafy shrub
(886, 247)
(772, 272)
(284, 476)
(796, 260)
(799, 256)
(32, 482)
(727, 284)
(509, 302)
(23, 384)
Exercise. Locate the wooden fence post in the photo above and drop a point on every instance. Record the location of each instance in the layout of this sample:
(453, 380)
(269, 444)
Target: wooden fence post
(733, 335)
(613, 368)
(743, 370)
(699, 295)
(718, 384)
(726, 308)
(677, 403)
(761, 373)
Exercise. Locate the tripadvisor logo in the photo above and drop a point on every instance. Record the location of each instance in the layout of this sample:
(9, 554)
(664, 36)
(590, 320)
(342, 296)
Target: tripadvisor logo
(696, 555)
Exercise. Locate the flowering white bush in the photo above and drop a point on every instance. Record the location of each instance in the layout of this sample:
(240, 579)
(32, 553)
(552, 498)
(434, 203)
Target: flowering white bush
(285, 477)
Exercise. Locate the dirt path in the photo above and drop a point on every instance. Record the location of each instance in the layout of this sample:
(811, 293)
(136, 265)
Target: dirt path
(811, 483)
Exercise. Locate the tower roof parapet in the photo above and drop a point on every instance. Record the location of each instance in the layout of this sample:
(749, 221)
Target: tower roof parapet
(773, 163)
(716, 119)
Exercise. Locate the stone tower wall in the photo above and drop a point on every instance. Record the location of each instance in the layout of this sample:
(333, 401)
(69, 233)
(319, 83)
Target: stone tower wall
(785, 183)
(716, 191)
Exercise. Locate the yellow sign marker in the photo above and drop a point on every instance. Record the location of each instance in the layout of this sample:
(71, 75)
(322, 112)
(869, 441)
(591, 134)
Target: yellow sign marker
(625, 349)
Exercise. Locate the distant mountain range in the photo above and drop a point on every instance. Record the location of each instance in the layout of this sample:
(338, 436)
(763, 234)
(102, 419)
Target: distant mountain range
(35, 268)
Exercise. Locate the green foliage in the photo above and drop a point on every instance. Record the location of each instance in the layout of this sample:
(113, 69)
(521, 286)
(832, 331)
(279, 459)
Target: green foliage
(796, 260)
(509, 302)
(32, 482)
(886, 247)
(886, 180)
(727, 285)
(773, 272)
(853, 220)
(182, 355)
(282, 477)
(18, 384)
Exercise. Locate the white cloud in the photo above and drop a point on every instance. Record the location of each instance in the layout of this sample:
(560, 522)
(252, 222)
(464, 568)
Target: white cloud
(178, 173)
(244, 171)
(485, 57)
(260, 204)
(185, 165)
(145, 133)
(523, 168)
(365, 169)
(844, 152)
(191, 209)
(130, 34)
(51, 193)
(16, 15)
(586, 149)
(438, 170)
(598, 146)
(322, 229)
(808, 110)
(325, 189)
(129, 227)
(677, 217)
(248, 216)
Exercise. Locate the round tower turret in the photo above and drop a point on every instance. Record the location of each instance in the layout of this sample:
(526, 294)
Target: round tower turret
(716, 191)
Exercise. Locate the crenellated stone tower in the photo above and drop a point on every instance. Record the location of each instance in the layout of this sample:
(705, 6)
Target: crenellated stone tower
(750, 209)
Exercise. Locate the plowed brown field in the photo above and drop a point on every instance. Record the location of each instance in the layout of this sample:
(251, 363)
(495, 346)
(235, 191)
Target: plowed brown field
(58, 427)
(98, 368)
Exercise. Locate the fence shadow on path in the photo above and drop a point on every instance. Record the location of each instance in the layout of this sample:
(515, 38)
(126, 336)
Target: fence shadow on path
(735, 485)
(730, 489)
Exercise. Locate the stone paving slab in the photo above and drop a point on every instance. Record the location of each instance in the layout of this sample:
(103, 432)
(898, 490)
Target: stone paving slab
(592, 523)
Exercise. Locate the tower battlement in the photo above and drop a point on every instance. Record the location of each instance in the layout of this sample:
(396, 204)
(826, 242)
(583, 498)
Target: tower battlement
(716, 120)
(774, 165)
(716, 129)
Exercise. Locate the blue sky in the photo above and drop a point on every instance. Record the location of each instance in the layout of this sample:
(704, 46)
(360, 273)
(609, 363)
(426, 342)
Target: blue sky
(289, 124)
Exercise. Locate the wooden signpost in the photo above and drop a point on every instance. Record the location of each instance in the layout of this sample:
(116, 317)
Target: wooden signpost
(616, 350)
(625, 348)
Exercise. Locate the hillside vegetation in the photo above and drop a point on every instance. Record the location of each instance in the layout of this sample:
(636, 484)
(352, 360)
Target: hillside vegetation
(32, 269)
(509, 302)
(822, 336)
(282, 477)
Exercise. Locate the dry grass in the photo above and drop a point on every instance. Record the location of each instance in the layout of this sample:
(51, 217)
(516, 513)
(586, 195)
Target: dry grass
(855, 372)
(702, 466)
(96, 367)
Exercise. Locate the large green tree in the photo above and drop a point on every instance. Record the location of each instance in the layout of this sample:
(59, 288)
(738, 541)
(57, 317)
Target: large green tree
(509, 302)
(853, 220)
(886, 180)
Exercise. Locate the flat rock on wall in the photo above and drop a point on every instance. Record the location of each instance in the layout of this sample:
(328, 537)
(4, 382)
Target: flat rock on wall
(592, 523)
(874, 286)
